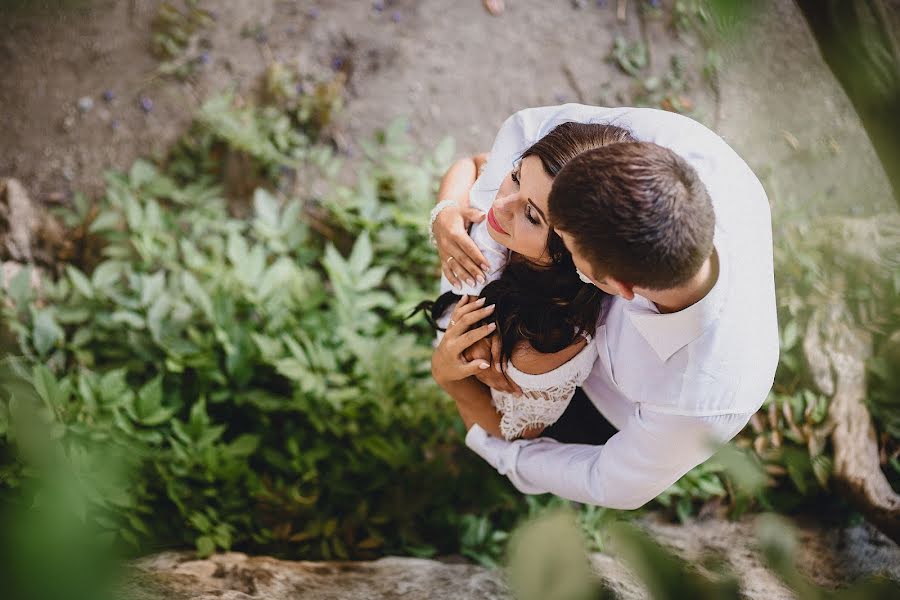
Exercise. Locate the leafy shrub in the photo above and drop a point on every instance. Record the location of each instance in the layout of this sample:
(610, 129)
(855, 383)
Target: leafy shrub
(263, 383)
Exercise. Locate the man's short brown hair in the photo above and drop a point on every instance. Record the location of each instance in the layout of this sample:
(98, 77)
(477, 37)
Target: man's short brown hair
(637, 212)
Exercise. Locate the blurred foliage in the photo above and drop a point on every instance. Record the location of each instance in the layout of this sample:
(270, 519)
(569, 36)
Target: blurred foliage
(177, 29)
(547, 560)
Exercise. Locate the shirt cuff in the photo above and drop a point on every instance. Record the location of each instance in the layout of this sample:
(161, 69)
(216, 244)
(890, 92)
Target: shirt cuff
(498, 453)
(502, 455)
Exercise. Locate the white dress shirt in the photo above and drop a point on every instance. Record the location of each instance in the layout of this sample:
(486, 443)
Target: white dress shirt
(675, 385)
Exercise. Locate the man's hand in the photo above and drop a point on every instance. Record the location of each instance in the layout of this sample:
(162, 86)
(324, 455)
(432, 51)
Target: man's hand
(461, 260)
(488, 350)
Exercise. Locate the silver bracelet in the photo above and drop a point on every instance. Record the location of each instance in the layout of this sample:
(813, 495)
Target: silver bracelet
(440, 206)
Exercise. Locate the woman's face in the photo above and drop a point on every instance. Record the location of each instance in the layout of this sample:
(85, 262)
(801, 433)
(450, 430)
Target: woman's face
(518, 217)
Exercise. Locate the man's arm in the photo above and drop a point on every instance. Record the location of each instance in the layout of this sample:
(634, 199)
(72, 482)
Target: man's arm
(648, 455)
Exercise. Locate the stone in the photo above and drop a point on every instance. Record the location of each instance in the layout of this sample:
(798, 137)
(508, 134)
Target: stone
(85, 104)
(829, 556)
(238, 576)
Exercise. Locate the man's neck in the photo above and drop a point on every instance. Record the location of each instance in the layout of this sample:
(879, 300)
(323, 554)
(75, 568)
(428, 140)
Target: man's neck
(676, 299)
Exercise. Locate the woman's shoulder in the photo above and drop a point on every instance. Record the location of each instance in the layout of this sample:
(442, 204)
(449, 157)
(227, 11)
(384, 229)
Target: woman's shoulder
(529, 361)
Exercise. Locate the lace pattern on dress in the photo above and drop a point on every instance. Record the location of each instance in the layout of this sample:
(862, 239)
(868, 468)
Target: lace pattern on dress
(544, 397)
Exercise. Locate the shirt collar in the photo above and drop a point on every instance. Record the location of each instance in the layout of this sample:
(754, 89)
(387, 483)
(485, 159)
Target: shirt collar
(669, 333)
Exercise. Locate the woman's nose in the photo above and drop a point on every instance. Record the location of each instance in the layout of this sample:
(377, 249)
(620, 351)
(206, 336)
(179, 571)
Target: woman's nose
(505, 203)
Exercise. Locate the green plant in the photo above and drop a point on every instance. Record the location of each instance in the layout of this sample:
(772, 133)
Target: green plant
(243, 364)
(631, 56)
(176, 28)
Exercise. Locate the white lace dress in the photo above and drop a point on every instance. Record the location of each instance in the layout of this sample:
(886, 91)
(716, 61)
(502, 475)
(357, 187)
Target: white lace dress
(544, 397)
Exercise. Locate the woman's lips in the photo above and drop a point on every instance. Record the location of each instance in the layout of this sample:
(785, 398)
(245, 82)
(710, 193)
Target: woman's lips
(492, 221)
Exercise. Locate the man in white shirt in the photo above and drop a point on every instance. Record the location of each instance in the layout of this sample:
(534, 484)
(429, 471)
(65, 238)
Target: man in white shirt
(689, 343)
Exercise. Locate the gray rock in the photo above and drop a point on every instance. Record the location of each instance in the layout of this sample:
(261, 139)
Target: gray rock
(233, 575)
(829, 556)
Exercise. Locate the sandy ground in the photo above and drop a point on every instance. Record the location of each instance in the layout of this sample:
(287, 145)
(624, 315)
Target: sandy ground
(446, 65)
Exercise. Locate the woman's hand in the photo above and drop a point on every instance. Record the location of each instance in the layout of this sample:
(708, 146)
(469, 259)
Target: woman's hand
(448, 363)
(488, 350)
(461, 260)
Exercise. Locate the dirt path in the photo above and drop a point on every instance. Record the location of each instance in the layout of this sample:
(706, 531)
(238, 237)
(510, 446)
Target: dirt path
(448, 66)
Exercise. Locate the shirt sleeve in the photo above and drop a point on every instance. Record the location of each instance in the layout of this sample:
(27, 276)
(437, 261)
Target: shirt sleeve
(647, 456)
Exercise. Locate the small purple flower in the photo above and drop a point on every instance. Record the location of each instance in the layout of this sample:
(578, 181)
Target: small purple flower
(561, 98)
(262, 37)
(300, 88)
(337, 62)
(108, 96)
(313, 13)
(655, 3)
(396, 16)
(292, 30)
(378, 5)
(115, 124)
(602, 3)
(203, 59)
(146, 104)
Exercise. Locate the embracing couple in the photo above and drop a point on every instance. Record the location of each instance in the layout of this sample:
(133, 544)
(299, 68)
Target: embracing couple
(608, 309)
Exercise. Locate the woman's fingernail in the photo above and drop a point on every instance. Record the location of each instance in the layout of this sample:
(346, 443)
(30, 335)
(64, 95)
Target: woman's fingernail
(492, 326)
(470, 281)
(485, 268)
(481, 280)
(491, 307)
(483, 366)
(481, 301)
(497, 367)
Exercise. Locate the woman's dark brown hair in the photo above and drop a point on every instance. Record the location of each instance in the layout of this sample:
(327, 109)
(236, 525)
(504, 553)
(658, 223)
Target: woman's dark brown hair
(548, 307)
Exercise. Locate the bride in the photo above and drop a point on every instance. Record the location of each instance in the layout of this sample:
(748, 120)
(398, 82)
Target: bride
(521, 293)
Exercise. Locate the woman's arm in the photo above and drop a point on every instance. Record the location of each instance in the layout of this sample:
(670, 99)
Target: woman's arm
(473, 401)
(460, 257)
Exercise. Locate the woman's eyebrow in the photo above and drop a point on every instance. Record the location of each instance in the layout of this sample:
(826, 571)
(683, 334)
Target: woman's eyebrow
(537, 208)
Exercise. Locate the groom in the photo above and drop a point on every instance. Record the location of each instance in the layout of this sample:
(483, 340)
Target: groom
(677, 229)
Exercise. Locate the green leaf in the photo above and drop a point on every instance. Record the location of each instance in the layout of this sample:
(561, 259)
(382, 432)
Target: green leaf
(46, 333)
(266, 207)
(126, 317)
(106, 274)
(105, 221)
(80, 281)
(142, 173)
(205, 546)
(361, 255)
(244, 445)
(19, 287)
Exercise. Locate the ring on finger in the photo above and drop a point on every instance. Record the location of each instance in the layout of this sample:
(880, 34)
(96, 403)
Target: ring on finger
(452, 322)
(451, 258)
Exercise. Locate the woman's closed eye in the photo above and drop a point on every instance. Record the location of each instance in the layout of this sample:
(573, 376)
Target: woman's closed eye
(529, 214)
(515, 173)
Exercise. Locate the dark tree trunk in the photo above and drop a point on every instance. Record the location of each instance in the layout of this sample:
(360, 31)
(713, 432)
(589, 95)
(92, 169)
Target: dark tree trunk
(858, 40)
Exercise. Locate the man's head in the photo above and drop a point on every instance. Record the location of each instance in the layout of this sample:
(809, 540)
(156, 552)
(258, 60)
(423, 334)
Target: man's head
(633, 215)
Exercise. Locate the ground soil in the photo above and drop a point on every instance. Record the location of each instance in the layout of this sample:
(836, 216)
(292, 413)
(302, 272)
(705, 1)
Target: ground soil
(448, 66)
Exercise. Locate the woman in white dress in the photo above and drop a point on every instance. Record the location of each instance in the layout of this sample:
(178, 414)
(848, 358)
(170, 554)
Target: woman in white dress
(527, 297)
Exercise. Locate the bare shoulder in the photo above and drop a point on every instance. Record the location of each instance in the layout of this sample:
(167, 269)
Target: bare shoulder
(528, 360)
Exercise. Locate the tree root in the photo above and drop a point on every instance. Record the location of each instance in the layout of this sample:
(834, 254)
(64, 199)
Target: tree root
(834, 345)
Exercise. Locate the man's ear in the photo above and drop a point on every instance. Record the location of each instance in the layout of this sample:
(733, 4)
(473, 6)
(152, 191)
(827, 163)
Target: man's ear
(626, 290)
